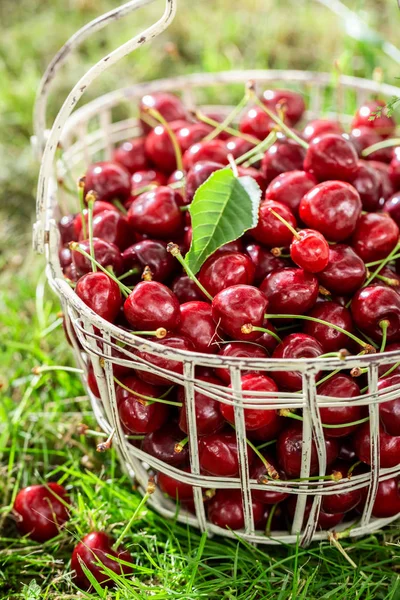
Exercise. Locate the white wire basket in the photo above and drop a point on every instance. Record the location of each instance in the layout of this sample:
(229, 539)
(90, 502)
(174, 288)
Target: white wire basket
(89, 133)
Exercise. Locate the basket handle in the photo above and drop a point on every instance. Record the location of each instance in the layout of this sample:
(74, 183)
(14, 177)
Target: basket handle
(47, 149)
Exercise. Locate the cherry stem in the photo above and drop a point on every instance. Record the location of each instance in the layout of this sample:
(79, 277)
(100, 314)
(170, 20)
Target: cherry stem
(388, 280)
(46, 368)
(389, 371)
(266, 444)
(145, 188)
(378, 262)
(382, 264)
(384, 324)
(104, 446)
(261, 147)
(351, 470)
(233, 165)
(285, 412)
(177, 149)
(134, 271)
(288, 225)
(380, 146)
(253, 160)
(224, 126)
(124, 289)
(133, 517)
(159, 333)
(184, 208)
(269, 520)
(271, 471)
(90, 200)
(82, 206)
(219, 127)
(248, 328)
(174, 250)
(180, 445)
(148, 399)
(118, 204)
(288, 132)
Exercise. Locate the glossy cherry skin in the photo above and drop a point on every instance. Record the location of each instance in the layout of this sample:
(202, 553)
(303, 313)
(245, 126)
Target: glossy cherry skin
(363, 137)
(320, 127)
(218, 454)
(100, 293)
(40, 513)
(387, 500)
(185, 289)
(289, 188)
(225, 509)
(131, 155)
(310, 250)
(198, 174)
(238, 146)
(112, 227)
(269, 229)
(366, 117)
(283, 156)
(198, 326)
(333, 208)
(290, 291)
(67, 229)
(368, 184)
(346, 451)
(256, 418)
(65, 257)
(237, 306)
(267, 340)
(291, 103)
(389, 412)
(175, 489)
(159, 148)
(345, 272)
(161, 444)
(371, 305)
(151, 305)
(212, 150)
(389, 446)
(375, 236)
(178, 342)
(224, 270)
(331, 156)
(383, 170)
(340, 386)
(106, 253)
(156, 213)
(153, 254)
(137, 417)
(168, 105)
(98, 207)
(341, 502)
(93, 551)
(394, 169)
(191, 134)
(264, 261)
(255, 174)
(109, 180)
(258, 471)
(295, 345)
(392, 206)
(289, 447)
(383, 368)
(257, 123)
(208, 415)
(142, 179)
(239, 350)
(330, 339)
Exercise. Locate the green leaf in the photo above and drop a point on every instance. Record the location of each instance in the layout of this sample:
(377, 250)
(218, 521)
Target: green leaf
(223, 208)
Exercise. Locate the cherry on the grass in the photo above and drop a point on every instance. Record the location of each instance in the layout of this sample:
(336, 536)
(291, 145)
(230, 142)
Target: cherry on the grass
(198, 326)
(264, 261)
(290, 291)
(225, 509)
(269, 229)
(175, 341)
(237, 306)
(218, 454)
(363, 137)
(383, 170)
(295, 345)
(291, 103)
(330, 339)
(289, 188)
(162, 445)
(185, 289)
(389, 412)
(100, 293)
(159, 147)
(375, 236)
(157, 213)
(197, 175)
(208, 415)
(94, 551)
(320, 127)
(368, 115)
(151, 305)
(283, 156)
(137, 415)
(389, 446)
(372, 305)
(131, 155)
(309, 250)
(392, 207)
(257, 123)
(168, 105)
(239, 350)
(331, 156)
(109, 181)
(340, 386)
(387, 499)
(225, 269)
(212, 150)
(368, 184)
(333, 208)
(175, 489)
(153, 254)
(40, 513)
(259, 472)
(345, 272)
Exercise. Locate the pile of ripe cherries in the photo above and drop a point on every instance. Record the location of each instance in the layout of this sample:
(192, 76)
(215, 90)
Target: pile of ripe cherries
(318, 276)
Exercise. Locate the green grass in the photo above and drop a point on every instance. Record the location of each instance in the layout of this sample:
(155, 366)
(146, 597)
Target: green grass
(39, 416)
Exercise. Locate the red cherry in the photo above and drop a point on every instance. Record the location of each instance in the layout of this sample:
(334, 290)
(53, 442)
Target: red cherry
(191, 133)
(159, 148)
(345, 272)
(295, 345)
(268, 341)
(291, 103)
(255, 174)
(92, 382)
(290, 291)
(218, 454)
(394, 169)
(383, 368)
(235, 246)
(208, 415)
(392, 206)
(346, 451)
(368, 184)
(373, 304)
(225, 509)
(161, 444)
(239, 350)
(237, 306)
(153, 254)
(157, 213)
(375, 236)
(151, 305)
(289, 448)
(212, 150)
(100, 293)
(389, 446)
(109, 180)
(363, 137)
(320, 127)
(142, 179)
(94, 551)
(289, 188)
(67, 229)
(198, 326)
(264, 261)
(177, 342)
(137, 416)
(105, 253)
(238, 146)
(40, 511)
(333, 208)
(131, 155)
(389, 412)
(258, 472)
(112, 227)
(168, 105)
(330, 339)
(256, 418)
(198, 174)
(339, 386)
(269, 229)
(65, 257)
(224, 270)
(340, 502)
(283, 156)
(366, 116)
(178, 490)
(98, 207)
(257, 123)
(331, 156)
(176, 176)
(310, 250)
(185, 289)
(383, 170)
(387, 499)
